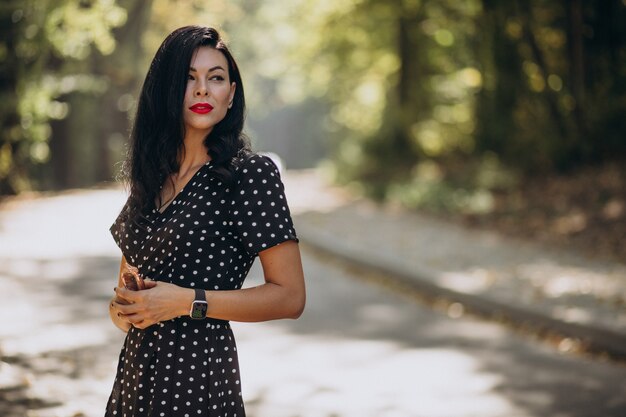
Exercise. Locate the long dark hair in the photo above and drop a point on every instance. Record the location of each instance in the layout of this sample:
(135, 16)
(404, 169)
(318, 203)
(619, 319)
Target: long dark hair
(157, 135)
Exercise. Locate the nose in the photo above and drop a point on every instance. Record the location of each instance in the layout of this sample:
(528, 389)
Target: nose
(201, 89)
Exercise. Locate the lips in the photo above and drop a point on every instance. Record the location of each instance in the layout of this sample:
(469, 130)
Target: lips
(201, 108)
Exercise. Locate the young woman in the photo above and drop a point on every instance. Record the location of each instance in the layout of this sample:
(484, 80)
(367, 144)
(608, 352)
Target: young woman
(202, 206)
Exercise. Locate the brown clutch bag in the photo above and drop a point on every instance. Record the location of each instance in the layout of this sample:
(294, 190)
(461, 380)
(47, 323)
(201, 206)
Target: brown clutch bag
(132, 280)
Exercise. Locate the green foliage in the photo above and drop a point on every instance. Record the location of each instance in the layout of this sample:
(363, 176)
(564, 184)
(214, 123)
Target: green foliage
(468, 189)
(43, 46)
(538, 86)
(556, 81)
(480, 92)
(399, 78)
(75, 27)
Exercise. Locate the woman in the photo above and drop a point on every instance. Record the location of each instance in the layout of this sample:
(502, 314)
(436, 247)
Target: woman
(201, 208)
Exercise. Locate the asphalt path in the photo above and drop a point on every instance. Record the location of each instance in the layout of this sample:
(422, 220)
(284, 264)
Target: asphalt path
(359, 349)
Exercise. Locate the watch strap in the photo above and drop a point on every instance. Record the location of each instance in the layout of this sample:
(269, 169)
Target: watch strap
(199, 306)
(200, 295)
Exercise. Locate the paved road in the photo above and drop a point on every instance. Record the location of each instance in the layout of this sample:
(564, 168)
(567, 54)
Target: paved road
(359, 349)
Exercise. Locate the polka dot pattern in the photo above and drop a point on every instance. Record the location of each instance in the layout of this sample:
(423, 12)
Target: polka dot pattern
(206, 238)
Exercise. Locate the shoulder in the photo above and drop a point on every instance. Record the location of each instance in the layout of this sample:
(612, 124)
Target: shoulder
(257, 165)
(258, 177)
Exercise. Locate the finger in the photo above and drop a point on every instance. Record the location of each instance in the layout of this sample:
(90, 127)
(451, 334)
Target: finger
(144, 324)
(115, 303)
(139, 321)
(120, 300)
(122, 317)
(126, 309)
(150, 284)
(133, 318)
(128, 295)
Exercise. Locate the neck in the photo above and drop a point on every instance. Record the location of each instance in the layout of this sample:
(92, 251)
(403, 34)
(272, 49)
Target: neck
(195, 153)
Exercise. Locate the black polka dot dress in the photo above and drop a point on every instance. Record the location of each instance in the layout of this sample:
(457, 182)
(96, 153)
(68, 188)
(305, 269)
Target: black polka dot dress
(206, 238)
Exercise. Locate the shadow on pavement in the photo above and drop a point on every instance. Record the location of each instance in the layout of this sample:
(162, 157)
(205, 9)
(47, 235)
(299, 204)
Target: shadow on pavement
(56, 335)
(534, 377)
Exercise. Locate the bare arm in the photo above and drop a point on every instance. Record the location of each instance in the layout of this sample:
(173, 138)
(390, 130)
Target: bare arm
(121, 323)
(281, 296)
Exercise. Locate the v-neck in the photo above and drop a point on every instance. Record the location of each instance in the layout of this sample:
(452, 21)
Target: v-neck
(171, 203)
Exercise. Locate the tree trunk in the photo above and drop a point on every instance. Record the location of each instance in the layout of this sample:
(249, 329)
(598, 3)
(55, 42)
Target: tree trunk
(413, 101)
(577, 64)
(500, 68)
(10, 161)
(125, 70)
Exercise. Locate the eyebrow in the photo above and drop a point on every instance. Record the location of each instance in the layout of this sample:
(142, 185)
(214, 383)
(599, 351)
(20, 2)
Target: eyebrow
(210, 69)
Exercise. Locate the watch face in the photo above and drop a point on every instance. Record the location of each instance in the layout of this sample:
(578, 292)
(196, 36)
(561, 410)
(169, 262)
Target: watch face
(198, 310)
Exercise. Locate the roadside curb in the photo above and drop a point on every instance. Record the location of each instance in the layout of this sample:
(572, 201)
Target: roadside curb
(594, 338)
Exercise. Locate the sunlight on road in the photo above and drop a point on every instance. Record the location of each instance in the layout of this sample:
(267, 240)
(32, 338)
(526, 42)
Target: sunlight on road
(65, 226)
(288, 375)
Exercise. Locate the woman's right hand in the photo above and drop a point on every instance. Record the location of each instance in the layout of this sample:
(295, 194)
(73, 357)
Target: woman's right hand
(116, 317)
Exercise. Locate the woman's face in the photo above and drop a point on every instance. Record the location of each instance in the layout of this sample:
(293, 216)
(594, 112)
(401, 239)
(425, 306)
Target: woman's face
(209, 92)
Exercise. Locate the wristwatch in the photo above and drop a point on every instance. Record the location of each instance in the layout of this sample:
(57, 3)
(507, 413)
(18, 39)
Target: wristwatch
(199, 305)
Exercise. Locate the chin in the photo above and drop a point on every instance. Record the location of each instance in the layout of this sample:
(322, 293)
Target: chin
(194, 125)
(206, 125)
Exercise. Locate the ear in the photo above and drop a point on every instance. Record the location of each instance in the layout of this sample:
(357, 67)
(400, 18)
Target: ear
(231, 97)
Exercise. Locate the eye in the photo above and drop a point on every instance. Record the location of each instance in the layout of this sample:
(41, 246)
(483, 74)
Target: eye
(217, 78)
(190, 77)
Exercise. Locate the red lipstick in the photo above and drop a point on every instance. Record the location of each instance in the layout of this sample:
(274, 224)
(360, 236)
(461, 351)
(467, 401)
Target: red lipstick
(201, 108)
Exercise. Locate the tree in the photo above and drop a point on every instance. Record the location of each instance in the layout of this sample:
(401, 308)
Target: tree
(556, 83)
(44, 43)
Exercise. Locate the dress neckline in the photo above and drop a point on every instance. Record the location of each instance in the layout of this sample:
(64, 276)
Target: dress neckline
(158, 212)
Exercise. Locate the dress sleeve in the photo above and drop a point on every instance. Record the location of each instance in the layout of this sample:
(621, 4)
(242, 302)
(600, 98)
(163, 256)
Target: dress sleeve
(118, 229)
(259, 210)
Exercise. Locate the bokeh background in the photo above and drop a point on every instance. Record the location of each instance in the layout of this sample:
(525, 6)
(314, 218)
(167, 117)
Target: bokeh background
(500, 116)
(495, 111)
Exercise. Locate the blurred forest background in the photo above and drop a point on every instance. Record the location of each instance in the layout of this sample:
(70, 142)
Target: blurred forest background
(502, 114)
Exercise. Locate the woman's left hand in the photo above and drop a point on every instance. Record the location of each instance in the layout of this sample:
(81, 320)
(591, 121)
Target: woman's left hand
(161, 301)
